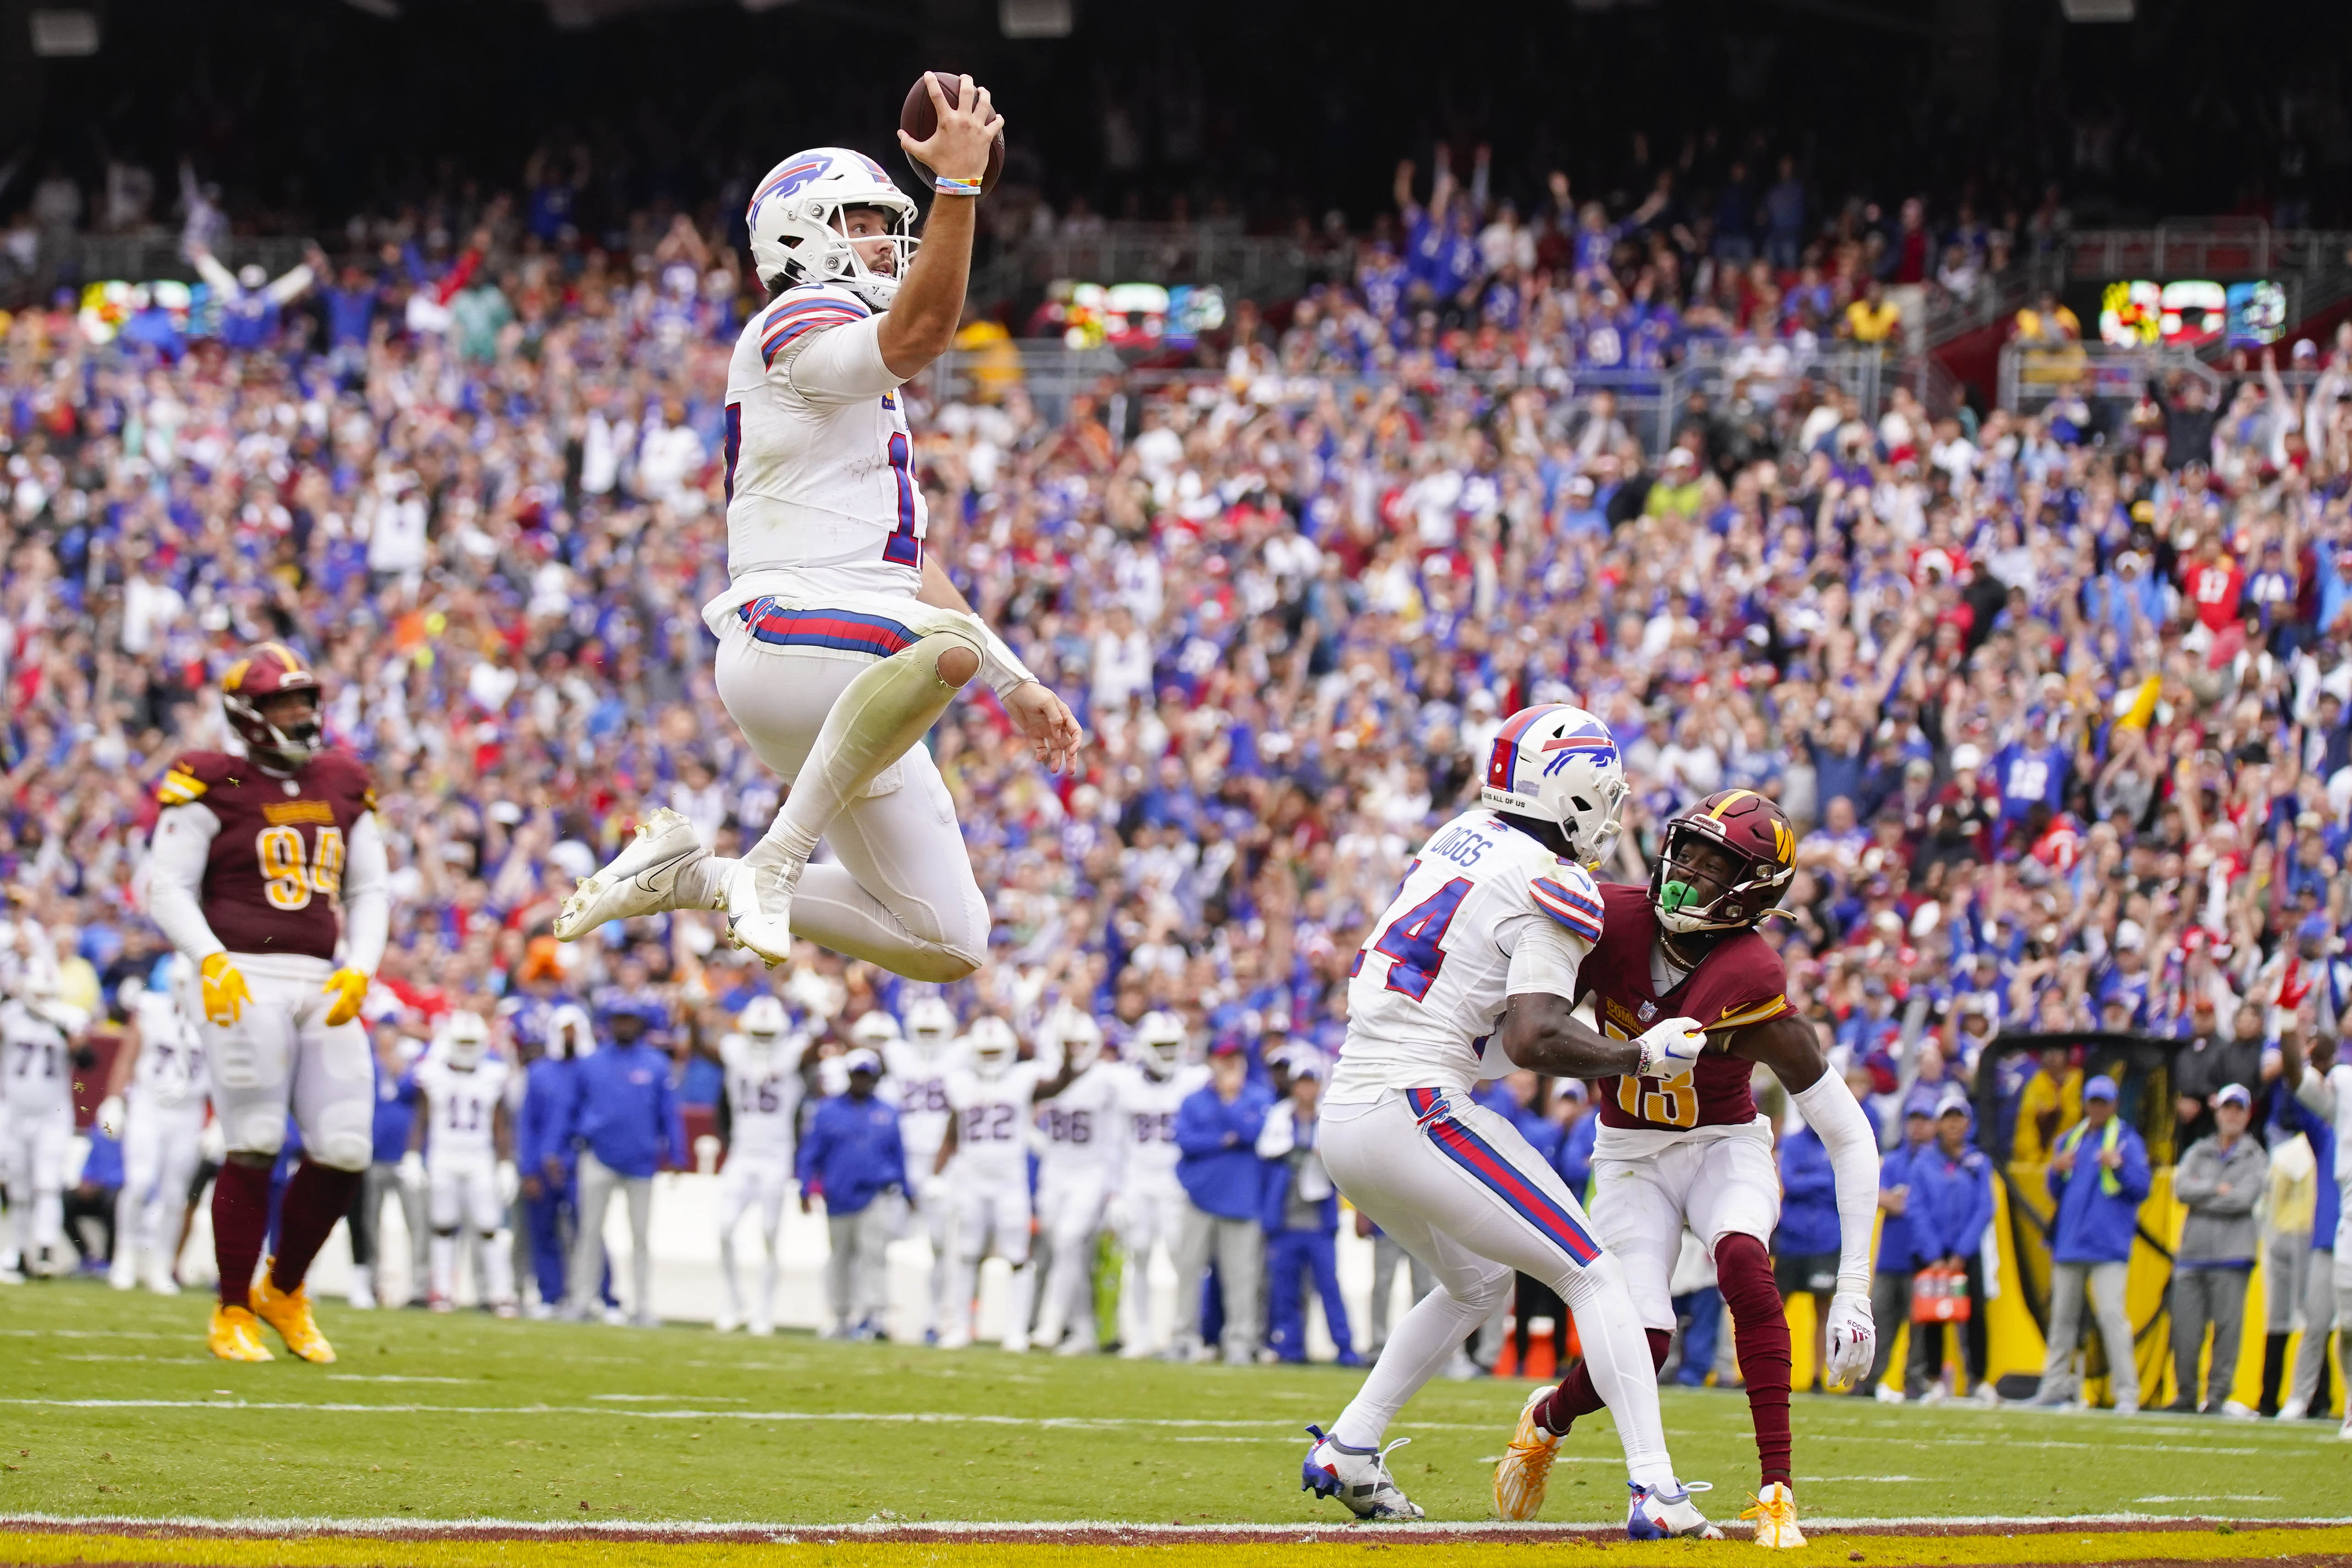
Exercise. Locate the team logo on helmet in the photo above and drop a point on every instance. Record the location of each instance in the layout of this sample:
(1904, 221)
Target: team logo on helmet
(1557, 763)
(266, 671)
(1725, 864)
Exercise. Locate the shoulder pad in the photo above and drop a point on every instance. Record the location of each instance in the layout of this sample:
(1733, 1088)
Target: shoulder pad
(798, 312)
(1565, 891)
(341, 770)
(192, 773)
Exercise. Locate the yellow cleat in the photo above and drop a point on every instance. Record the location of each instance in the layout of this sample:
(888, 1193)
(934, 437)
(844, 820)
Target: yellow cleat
(289, 1311)
(1526, 1466)
(233, 1335)
(1775, 1514)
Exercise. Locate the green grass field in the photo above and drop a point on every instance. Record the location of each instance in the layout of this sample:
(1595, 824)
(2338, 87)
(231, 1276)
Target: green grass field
(109, 1405)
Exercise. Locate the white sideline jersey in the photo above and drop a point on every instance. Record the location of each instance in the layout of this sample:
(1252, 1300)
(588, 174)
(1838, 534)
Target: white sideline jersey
(36, 1067)
(170, 1073)
(821, 492)
(463, 1107)
(763, 1097)
(992, 1122)
(1079, 1126)
(916, 1081)
(1146, 1121)
(1431, 980)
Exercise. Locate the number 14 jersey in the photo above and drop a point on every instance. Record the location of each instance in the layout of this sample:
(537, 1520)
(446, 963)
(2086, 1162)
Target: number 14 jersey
(1429, 984)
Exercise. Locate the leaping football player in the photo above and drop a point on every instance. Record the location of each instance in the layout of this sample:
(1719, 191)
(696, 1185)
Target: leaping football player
(841, 640)
(1467, 975)
(1685, 1146)
(250, 857)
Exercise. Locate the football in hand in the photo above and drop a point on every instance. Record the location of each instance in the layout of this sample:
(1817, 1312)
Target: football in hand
(921, 118)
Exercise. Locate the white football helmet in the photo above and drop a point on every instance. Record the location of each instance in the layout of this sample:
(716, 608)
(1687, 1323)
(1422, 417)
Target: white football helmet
(570, 1034)
(1159, 1042)
(762, 1024)
(1076, 1032)
(875, 1030)
(930, 1025)
(1559, 764)
(992, 1045)
(798, 234)
(464, 1040)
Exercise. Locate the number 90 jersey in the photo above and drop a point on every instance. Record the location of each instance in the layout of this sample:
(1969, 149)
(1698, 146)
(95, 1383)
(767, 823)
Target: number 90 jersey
(1429, 984)
(274, 871)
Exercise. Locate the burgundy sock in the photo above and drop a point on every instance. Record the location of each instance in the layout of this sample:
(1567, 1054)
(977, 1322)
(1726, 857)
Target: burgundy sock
(240, 1216)
(1759, 1326)
(1576, 1396)
(315, 1199)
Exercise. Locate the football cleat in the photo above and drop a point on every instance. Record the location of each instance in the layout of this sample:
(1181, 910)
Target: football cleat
(642, 879)
(121, 1275)
(1527, 1464)
(1357, 1476)
(1775, 1514)
(1662, 1513)
(233, 1335)
(289, 1311)
(759, 910)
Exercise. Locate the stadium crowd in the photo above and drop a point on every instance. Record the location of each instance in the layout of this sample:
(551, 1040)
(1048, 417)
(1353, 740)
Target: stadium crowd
(2060, 701)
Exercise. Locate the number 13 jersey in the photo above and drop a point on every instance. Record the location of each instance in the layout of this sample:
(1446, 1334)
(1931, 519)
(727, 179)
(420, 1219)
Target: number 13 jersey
(1429, 984)
(274, 871)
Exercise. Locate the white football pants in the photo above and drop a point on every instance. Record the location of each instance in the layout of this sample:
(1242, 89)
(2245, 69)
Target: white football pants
(1459, 1188)
(463, 1195)
(1070, 1205)
(991, 1213)
(34, 1157)
(160, 1146)
(935, 1212)
(1154, 1218)
(752, 1179)
(1719, 1187)
(281, 1054)
(903, 895)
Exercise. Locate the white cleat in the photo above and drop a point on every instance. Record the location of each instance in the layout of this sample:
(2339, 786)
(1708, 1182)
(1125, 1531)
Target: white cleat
(161, 1283)
(1775, 1514)
(1662, 1513)
(1357, 1476)
(762, 1328)
(726, 1323)
(642, 879)
(121, 1275)
(759, 910)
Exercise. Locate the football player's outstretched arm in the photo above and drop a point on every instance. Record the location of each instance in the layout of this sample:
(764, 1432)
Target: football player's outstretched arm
(922, 319)
(1540, 1029)
(1045, 719)
(1788, 1046)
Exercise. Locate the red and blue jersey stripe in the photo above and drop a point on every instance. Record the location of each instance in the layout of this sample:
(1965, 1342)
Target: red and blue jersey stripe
(844, 630)
(1486, 1165)
(793, 318)
(1571, 907)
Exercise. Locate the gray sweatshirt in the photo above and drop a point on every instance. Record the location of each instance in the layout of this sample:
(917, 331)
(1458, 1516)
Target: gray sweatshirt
(2220, 1228)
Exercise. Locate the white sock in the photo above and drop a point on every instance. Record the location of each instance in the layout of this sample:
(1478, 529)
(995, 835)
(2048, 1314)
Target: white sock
(444, 1266)
(50, 1219)
(1417, 1349)
(726, 1272)
(497, 1260)
(963, 1283)
(765, 1312)
(1021, 1298)
(1617, 1357)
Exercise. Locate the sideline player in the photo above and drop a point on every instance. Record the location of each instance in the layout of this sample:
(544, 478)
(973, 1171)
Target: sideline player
(918, 1069)
(840, 640)
(160, 1073)
(250, 856)
(39, 1055)
(1465, 974)
(763, 1061)
(985, 1157)
(1147, 1209)
(1687, 1147)
(2327, 1094)
(466, 1089)
(1077, 1166)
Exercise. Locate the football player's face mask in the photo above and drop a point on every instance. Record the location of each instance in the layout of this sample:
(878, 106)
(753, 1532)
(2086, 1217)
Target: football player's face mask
(1698, 872)
(869, 232)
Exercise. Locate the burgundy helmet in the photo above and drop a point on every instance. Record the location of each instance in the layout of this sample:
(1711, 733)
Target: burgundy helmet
(1762, 848)
(266, 671)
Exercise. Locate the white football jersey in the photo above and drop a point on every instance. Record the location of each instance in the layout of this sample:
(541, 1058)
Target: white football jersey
(1431, 979)
(171, 1069)
(819, 486)
(916, 1081)
(36, 1068)
(462, 1108)
(1078, 1126)
(1146, 1121)
(763, 1097)
(992, 1121)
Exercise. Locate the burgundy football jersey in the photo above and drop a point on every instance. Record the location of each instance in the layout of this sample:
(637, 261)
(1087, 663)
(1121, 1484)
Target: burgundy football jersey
(1740, 982)
(275, 870)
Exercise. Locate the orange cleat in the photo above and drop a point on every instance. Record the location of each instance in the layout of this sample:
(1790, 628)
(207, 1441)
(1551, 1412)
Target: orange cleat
(289, 1311)
(233, 1335)
(1526, 1466)
(1775, 1514)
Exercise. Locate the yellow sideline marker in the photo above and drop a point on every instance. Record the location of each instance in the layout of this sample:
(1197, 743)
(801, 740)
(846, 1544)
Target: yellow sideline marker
(2249, 1545)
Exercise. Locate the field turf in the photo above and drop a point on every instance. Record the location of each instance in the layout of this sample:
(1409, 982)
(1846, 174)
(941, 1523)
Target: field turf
(109, 1409)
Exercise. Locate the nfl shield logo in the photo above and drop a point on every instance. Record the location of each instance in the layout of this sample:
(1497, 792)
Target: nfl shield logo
(1648, 1011)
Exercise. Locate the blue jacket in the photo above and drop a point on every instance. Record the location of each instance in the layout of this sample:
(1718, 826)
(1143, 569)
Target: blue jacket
(2295, 1117)
(1809, 1216)
(1951, 1204)
(628, 1115)
(395, 1114)
(1273, 1198)
(852, 1154)
(1894, 1229)
(1542, 1135)
(1218, 1161)
(2094, 1226)
(550, 1104)
(1574, 1158)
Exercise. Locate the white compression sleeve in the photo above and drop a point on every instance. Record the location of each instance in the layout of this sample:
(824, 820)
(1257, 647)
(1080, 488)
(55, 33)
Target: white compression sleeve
(173, 874)
(839, 364)
(1830, 1110)
(367, 897)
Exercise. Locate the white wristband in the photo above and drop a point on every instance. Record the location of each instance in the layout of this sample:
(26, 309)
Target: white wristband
(1000, 665)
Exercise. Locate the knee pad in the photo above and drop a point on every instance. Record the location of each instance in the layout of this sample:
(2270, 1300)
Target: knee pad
(1483, 1295)
(346, 1151)
(964, 634)
(257, 1130)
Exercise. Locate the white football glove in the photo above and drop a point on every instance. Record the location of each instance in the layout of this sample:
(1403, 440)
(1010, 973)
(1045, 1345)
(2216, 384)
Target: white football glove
(110, 1115)
(1852, 1339)
(1669, 1045)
